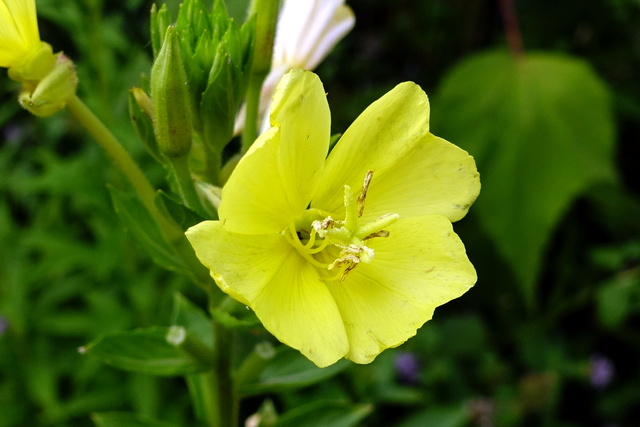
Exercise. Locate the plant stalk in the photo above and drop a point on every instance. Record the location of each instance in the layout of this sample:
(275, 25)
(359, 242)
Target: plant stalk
(172, 231)
(512, 28)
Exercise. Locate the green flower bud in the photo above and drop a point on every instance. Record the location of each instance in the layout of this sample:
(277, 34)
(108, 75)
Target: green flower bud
(51, 94)
(170, 99)
(267, 17)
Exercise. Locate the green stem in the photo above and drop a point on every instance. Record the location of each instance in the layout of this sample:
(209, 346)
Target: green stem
(186, 188)
(213, 156)
(218, 398)
(172, 231)
(254, 363)
(227, 398)
(250, 133)
(266, 12)
(125, 163)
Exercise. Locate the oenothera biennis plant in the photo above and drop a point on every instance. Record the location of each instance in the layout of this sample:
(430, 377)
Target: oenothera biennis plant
(345, 255)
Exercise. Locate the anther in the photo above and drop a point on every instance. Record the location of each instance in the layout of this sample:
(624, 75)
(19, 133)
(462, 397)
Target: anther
(363, 193)
(381, 233)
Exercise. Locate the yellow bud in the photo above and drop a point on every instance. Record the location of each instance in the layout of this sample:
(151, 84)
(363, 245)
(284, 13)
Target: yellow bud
(142, 100)
(51, 94)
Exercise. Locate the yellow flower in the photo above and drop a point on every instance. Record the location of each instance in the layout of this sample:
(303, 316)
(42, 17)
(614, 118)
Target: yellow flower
(348, 255)
(48, 80)
(20, 47)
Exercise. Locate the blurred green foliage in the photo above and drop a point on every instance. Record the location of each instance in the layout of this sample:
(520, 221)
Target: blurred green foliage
(69, 272)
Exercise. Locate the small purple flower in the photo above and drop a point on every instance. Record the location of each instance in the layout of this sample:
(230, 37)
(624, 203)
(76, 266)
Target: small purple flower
(12, 134)
(602, 371)
(407, 368)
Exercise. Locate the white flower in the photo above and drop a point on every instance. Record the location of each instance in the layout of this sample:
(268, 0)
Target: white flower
(307, 31)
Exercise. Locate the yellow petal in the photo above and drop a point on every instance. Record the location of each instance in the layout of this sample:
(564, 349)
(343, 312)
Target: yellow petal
(273, 183)
(414, 173)
(18, 29)
(267, 274)
(434, 177)
(421, 265)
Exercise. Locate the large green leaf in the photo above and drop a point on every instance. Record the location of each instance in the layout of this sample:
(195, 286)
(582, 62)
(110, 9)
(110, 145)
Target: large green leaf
(146, 351)
(540, 127)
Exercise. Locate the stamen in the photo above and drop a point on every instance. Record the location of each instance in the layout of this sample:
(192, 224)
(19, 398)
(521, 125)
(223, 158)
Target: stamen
(351, 210)
(337, 277)
(379, 224)
(316, 231)
(346, 271)
(363, 193)
(381, 233)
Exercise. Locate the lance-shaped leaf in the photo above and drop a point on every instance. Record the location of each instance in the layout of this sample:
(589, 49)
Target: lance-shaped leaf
(541, 130)
(154, 351)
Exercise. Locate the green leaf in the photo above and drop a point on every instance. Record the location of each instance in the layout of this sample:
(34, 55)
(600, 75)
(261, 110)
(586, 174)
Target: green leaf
(144, 229)
(290, 370)
(617, 299)
(325, 414)
(160, 20)
(124, 419)
(192, 318)
(200, 392)
(541, 130)
(144, 350)
(181, 214)
(233, 321)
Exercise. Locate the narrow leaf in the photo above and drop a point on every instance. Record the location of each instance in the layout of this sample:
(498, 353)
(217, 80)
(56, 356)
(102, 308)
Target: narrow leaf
(144, 350)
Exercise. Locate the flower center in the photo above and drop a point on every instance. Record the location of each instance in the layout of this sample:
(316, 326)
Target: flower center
(334, 246)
